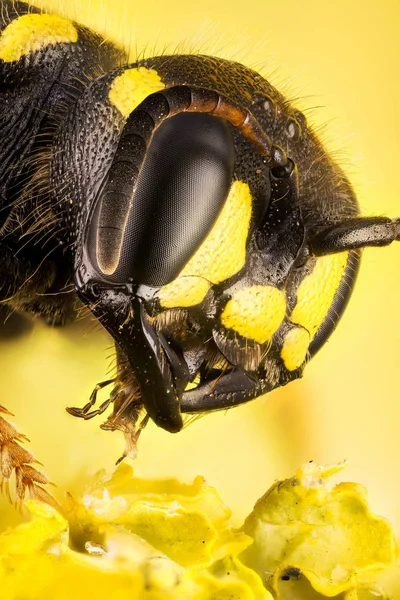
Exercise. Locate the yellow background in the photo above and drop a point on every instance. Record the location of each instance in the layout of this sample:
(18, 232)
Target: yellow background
(343, 58)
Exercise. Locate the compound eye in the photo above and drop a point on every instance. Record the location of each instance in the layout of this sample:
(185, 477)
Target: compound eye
(180, 190)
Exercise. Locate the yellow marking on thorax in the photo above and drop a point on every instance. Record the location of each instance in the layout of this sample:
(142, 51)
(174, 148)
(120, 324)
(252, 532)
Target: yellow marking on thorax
(130, 88)
(317, 291)
(221, 255)
(30, 33)
(295, 348)
(255, 312)
(183, 292)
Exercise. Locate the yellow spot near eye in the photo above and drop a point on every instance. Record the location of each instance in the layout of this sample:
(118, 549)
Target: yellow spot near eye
(317, 291)
(221, 255)
(30, 33)
(255, 312)
(183, 292)
(295, 348)
(130, 88)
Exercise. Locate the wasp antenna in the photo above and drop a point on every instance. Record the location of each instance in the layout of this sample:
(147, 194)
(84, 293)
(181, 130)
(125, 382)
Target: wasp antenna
(354, 233)
(183, 98)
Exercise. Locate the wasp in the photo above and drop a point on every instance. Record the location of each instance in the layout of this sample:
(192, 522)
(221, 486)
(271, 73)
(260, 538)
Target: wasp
(187, 204)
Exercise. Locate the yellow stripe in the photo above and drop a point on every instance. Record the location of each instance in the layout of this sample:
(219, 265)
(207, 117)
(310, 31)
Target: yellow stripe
(221, 255)
(183, 292)
(317, 291)
(255, 312)
(130, 88)
(30, 33)
(223, 252)
(295, 348)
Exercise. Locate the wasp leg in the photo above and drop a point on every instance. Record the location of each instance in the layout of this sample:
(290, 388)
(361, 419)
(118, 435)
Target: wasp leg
(236, 387)
(355, 233)
(132, 440)
(82, 412)
(103, 407)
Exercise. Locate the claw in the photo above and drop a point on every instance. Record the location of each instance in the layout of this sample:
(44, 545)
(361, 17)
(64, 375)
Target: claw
(75, 412)
(83, 413)
(99, 411)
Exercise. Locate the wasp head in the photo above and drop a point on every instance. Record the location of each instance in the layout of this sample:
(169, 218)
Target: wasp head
(187, 239)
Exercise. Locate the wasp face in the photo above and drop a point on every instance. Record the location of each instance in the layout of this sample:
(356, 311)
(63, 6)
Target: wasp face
(170, 257)
(164, 241)
(210, 233)
(141, 236)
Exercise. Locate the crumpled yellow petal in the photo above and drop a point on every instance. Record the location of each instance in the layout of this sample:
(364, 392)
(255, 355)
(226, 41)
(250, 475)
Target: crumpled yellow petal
(330, 535)
(161, 539)
(189, 522)
(29, 537)
(373, 592)
(297, 587)
(146, 544)
(197, 495)
(390, 580)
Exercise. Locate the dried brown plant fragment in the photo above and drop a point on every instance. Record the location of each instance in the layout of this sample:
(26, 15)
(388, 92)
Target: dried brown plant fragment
(15, 459)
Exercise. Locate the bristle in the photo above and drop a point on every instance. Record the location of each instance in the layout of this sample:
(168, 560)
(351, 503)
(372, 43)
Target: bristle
(16, 460)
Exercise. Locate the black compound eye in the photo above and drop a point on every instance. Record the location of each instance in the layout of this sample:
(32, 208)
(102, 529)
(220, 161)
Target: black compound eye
(181, 188)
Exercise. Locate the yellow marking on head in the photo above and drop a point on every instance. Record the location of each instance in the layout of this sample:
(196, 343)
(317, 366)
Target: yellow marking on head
(130, 88)
(255, 312)
(295, 348)
(220, 256)
(223, 252)
(316, 292)
(183, 292)
(30, 33)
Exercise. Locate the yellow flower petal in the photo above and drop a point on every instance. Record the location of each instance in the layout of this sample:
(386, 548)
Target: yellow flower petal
(330, 535)
(129, 538)
(189, 523)
(29, 537)
(187, 536)
(367, 593)
(150, 540)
